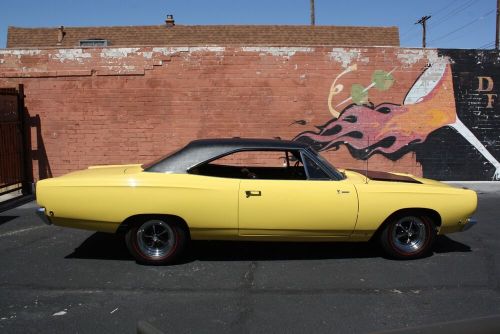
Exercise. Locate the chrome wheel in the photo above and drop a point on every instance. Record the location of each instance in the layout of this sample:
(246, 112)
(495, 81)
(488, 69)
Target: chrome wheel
(409, 234)
(155, 238)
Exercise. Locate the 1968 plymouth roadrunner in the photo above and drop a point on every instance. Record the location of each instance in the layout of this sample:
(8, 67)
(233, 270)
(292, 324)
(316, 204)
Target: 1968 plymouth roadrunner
(253, 189)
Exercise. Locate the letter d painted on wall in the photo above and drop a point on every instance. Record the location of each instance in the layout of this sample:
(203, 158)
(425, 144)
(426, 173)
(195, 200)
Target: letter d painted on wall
(481, 85)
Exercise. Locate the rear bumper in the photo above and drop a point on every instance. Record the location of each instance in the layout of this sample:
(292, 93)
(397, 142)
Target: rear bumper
(40, 212)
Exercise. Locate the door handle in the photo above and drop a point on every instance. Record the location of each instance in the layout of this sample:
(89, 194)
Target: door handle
(253, 193)
(342, 191)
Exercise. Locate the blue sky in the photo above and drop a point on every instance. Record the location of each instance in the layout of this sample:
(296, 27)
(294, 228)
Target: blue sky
(454, 23)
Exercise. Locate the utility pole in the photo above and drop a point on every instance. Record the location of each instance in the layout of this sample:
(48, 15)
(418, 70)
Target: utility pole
(498, 25)
(422, 21)
(312, 13)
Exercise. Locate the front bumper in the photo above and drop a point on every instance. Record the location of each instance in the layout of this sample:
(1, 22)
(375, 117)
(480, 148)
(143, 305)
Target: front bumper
(468, 224)
(40, 212)
(460, 226)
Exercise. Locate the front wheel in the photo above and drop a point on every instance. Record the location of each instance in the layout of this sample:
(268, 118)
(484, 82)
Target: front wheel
(156, 241)
(408, 237)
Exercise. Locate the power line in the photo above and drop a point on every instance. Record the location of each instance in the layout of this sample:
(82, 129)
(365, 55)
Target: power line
(452, 14)
(436, 13)
(461, 7)
(464, 26)
(456, 37)
(408, 31)
(487, 45)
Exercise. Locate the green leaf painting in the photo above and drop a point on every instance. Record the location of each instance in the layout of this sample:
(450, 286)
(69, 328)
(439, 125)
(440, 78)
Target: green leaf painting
(382, 80)
(359, 94)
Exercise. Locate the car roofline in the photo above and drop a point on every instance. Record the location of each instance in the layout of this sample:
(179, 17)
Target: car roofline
(202, 150)
(255, 143)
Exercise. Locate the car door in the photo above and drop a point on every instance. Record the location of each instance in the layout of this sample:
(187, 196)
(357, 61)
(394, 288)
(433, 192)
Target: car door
(297, 208)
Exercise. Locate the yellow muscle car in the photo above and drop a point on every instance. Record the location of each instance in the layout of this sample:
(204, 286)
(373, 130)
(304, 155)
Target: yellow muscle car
(253, 189)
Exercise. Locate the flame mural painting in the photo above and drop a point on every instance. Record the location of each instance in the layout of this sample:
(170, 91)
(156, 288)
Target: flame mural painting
(394, 129)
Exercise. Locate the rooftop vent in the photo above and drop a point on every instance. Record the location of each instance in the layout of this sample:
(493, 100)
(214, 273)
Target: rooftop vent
(93, 43)
(170, 21)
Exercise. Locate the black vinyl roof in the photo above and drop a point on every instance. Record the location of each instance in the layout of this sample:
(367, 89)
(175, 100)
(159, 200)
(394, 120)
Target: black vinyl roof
(201, 150)
(248, 143)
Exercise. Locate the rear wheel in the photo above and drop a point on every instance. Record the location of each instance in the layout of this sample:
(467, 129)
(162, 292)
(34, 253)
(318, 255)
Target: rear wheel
(156, 241)
(408, 237)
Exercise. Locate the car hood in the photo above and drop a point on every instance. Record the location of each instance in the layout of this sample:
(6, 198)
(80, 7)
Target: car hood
(361, 175)
(386, 176)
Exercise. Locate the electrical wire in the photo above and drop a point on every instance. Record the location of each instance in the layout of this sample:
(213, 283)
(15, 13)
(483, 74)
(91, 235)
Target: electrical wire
(460, 8)
(489, 45)
(453, 13)
(408, 31)
(436, 13)
(451, 39)
(463, 27)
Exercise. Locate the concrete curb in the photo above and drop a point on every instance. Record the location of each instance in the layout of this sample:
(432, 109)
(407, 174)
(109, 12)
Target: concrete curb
(15, 202)
(483, 325)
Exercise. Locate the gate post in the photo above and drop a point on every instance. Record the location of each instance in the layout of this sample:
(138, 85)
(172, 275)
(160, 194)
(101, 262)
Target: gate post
(27, 165)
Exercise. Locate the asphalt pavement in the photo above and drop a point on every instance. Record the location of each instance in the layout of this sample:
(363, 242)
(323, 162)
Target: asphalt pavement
(57, 280)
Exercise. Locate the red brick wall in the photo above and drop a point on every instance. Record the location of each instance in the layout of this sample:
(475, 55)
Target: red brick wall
(127, 105)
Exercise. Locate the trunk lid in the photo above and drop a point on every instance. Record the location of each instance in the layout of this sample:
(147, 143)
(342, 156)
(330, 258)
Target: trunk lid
(96, 171)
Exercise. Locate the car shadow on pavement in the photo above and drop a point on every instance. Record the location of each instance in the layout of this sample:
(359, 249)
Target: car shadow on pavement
(6, 219)
(112, 247)
(104, 246)
(444, 244)
(269, 251)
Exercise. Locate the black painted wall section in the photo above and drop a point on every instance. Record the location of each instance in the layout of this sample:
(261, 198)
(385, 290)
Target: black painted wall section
(446, 154)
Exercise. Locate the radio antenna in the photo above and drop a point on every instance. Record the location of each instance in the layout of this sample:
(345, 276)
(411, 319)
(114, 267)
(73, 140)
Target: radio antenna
(367, 158)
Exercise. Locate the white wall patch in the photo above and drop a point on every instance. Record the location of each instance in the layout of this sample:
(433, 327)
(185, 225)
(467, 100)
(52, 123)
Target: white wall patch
(277, 51)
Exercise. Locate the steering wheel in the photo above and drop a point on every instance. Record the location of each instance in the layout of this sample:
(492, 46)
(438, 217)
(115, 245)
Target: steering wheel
(248, 174)
(296, 171)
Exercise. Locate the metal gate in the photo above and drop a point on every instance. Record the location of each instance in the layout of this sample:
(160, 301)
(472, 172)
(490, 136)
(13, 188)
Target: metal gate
(14, 174)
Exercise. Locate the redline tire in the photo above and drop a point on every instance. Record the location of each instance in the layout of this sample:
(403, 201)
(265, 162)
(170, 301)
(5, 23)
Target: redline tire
(408, 237)
(156, 241)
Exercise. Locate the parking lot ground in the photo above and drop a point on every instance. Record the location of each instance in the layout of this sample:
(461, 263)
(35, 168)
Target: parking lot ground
(56, 280)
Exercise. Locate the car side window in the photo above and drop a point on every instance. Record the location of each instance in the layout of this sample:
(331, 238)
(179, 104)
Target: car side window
(314, 171)
(264, 165)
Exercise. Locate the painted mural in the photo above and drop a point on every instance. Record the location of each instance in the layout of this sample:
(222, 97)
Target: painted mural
(429, 112)
(421, 123)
